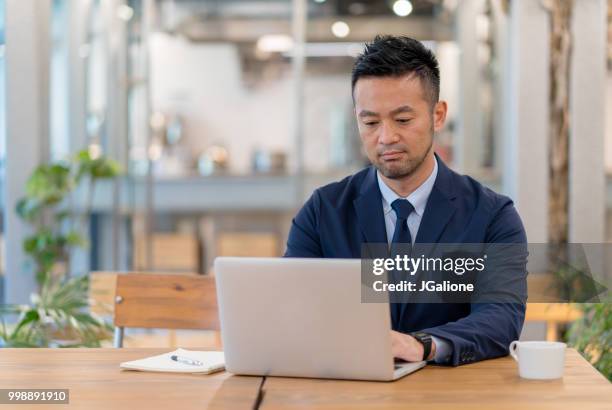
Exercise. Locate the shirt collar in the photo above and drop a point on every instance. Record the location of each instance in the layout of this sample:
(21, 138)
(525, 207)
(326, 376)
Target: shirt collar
(418, 198)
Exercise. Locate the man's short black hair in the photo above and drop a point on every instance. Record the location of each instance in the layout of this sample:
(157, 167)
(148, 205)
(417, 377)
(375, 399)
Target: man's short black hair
(396, 56)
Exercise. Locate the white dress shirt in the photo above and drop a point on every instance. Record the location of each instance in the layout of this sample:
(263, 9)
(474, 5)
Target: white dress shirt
(418, 198)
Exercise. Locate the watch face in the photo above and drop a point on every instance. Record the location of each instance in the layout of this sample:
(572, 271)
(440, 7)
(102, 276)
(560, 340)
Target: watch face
(421, 336)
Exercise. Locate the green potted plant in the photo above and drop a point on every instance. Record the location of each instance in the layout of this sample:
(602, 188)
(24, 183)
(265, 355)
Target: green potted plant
(57, 314)
(591, 335)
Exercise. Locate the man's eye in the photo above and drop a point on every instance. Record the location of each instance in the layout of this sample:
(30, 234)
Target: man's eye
(404, 120)
(371, 123)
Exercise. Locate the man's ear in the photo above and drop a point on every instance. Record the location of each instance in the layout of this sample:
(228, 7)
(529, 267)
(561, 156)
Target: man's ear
(439, 115)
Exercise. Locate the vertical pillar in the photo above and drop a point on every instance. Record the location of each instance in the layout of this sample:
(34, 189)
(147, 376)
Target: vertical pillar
(587, 188)
(148, 22)
(27, 104)
(500, 20)
(78, 49)
(469, 143)
(298, 61)
(525, 176)
(116, 115)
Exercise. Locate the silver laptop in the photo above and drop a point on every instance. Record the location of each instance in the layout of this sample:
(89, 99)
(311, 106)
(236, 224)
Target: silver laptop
(303, 318)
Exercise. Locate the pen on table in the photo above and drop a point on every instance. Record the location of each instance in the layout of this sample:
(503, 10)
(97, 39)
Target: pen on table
(186, 360)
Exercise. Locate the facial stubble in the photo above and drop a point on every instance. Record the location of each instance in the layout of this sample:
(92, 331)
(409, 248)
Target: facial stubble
(408, 167)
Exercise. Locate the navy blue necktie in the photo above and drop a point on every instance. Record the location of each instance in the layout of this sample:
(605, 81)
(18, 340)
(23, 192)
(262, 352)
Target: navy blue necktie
(401, 235)
(402, 209)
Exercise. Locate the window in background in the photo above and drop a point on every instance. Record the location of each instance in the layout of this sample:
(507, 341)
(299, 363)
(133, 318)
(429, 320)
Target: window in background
(58, 82)
(84, 79)
(97, 54)
(2, 146)
(2, 92)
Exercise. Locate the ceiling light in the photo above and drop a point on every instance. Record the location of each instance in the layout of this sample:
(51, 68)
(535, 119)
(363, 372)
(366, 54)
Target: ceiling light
(402, 8)
(340, 29)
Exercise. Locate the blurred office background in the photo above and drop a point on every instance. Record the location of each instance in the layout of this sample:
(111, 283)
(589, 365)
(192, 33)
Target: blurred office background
(225, 115)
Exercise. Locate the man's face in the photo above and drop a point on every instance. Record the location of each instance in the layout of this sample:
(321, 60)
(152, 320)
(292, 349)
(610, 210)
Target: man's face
(396, 122)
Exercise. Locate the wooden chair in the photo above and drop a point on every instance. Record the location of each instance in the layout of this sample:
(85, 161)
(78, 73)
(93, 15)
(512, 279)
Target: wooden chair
(157, 301)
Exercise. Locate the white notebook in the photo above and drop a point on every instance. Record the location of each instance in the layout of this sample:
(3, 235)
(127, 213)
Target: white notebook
(189, 361)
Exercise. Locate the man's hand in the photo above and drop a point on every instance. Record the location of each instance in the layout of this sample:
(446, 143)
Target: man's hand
(407, 348)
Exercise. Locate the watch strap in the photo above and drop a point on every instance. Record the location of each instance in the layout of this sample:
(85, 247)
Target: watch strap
(425, 340)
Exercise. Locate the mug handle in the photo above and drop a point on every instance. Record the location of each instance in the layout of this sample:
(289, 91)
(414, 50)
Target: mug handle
(512, 349)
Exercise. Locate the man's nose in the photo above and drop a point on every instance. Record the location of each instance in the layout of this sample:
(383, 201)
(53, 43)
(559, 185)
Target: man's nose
(388, 134)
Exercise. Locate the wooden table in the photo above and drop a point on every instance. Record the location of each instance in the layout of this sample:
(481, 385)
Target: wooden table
(95, 381)
(491, 384)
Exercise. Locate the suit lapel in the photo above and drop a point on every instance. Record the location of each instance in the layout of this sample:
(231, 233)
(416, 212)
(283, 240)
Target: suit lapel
(438, 213)
(440, 207)
(368, 207)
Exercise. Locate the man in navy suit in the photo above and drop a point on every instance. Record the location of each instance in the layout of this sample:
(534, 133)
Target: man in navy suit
(409, 195)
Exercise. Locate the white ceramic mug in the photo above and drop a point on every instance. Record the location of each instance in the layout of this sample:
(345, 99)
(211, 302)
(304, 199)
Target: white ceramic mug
(539, 360)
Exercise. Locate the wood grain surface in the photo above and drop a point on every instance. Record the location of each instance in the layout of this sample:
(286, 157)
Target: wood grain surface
(149, 300)
(491, 384)
(96, 382)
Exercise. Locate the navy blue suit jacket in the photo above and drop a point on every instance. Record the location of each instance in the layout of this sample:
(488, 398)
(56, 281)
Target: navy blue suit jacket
(339, 217)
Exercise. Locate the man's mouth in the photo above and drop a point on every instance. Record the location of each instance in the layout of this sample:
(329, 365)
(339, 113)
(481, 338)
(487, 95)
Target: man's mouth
(391, 155)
